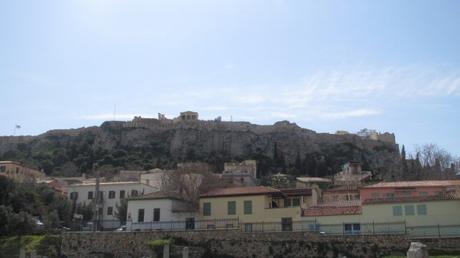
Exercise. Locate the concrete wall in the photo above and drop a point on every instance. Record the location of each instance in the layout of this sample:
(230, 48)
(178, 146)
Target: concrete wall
(237, 244)
(19, 173)
(438, 212)
(260, 210)
(166, 207)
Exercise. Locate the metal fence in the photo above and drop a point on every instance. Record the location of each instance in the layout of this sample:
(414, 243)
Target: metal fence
(392, 228)
(217, 224)
(101, 225)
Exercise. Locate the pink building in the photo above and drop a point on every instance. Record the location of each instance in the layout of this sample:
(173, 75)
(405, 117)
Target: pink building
(409, 190)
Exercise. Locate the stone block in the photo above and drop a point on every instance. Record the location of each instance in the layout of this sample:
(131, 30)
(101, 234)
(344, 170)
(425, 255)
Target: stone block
(417, 250)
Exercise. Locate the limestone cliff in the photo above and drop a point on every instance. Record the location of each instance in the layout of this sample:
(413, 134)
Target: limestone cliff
(146, 143)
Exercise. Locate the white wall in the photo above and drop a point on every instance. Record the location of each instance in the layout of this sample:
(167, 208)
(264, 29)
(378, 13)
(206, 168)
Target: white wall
(83, 189)
(167, 214)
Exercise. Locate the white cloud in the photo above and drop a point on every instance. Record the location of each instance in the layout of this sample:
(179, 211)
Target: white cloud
(349, 114)
(339, 93)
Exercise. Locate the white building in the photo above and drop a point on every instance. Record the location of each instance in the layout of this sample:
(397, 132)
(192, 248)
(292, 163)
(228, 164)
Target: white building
(154, 177)
(160, 211)
(110, 193)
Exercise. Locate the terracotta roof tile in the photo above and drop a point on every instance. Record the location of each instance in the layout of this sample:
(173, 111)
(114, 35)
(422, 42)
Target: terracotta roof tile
(399, 199)
(236, 191)
(426, 183)
(331, 211)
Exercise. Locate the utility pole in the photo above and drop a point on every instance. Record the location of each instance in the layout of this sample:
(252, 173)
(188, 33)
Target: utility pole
(98, 202)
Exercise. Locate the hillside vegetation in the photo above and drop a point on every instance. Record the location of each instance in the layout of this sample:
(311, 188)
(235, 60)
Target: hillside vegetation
(282, 147)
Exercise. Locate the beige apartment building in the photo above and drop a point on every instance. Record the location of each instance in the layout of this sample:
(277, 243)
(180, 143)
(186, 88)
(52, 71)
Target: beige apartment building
(20, 173)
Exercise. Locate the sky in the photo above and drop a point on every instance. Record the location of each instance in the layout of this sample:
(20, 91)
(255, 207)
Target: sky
(326, 65)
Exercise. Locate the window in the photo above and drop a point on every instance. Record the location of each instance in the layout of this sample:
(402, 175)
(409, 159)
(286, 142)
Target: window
(423, 194)
(100, 211)
(296, 202)
(375, 195)
(286, 224)
(2, 168)
(409, 210)
(247, 227)
(354, 228)
(397, 211)
(90, 195)
(122, 194)
(421, 209)
(231, 208)
(134, 193)
(140, 215)
(109, 210)
(229, 225)
(404, 193)
(211, 226)
(287, 202)
(156, 214)
(111, 194)
(190, 223)
(247, 207)
(389, 195)
(207, 209)
(73, 196)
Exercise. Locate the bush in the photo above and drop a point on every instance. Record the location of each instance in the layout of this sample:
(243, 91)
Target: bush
(157, 245)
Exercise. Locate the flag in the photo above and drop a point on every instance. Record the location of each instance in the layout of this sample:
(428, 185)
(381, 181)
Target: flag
(18, 127)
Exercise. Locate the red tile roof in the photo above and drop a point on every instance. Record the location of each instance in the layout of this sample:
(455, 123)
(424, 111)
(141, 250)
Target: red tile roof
(331, 211)
(426, 183)
(343, 188)
(236, 191)
(400, 199)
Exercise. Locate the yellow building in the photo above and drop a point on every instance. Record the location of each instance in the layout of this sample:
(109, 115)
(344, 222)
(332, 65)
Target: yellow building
(255, 206)
(20, 173)
(416, 207)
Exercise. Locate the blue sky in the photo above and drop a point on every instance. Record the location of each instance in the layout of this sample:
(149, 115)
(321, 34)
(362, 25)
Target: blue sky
(326, 65)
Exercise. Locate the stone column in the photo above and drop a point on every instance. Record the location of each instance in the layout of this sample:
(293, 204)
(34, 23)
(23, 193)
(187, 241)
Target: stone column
(185, 252)
(417, 250)
(166, 251)
(22, 253)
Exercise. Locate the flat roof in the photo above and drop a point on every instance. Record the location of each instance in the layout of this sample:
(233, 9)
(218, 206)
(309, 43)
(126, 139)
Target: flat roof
(314, 180)
(238, 191)
(109, 183)
(159, 195)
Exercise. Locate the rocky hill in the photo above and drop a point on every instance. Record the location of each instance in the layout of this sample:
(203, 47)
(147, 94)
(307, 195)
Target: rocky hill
(148, 143)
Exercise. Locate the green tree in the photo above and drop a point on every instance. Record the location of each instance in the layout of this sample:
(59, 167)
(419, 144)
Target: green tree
(122, 211)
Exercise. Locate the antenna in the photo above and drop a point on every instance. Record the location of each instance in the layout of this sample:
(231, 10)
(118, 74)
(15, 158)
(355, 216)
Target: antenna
(114, 112)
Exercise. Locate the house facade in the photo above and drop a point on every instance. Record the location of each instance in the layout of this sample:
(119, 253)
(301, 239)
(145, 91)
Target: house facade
(255, 206)
(400, 206)
(110, 195)
(20, 173)
(160, 211)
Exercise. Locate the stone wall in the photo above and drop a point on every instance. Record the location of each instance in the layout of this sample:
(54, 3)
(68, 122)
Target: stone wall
(238, 244)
